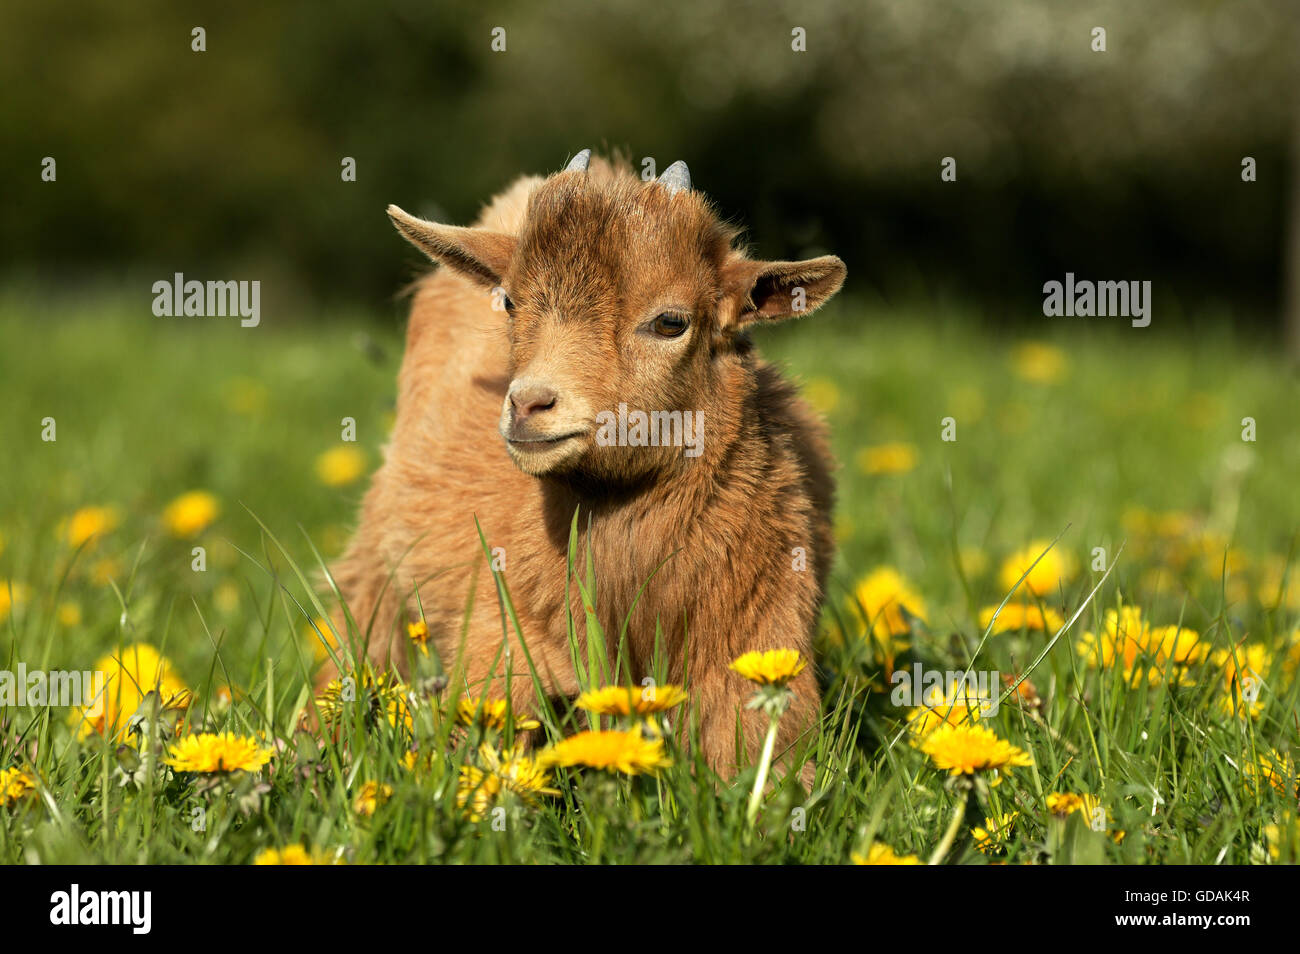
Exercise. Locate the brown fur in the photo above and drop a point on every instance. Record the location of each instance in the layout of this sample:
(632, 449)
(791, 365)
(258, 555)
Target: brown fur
(587, 259)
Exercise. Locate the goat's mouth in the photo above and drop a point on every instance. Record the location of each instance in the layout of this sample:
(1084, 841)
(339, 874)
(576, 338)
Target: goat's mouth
(540, 442)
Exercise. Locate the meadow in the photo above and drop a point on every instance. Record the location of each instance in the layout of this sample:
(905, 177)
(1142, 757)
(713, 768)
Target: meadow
(1109, 513)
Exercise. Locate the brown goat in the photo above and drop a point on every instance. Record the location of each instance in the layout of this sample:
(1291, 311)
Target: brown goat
(573, 295)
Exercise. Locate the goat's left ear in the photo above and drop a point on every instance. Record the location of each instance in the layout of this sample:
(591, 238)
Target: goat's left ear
(773, 291)
(479, 254)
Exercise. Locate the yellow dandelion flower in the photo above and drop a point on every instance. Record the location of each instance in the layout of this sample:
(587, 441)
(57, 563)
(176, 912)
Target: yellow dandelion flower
(11, 595)
(1055, 569)
(612, 751)
(491, 714)
(419, 634)
(372, 795)
(967, 749)
(1244, 667)
(104, 571)
(477, 789)
(292, 855)
(340, 466)
(210, 753)
(923, 720)
(822, 394)
(89, 523)
(130, 674)
(1272, 767)
(624, 700)
(416, 762)
(881, 854)
(16, 785)
(1017, 616)
(1144, 653)
(995, 833)
(191, 513)
(317, 635)
(1038, 363)
(1283, 835)
(1065, 804)
(772, 667)
(884, 604)
(379, 693)
(884, 459)
(68, 615)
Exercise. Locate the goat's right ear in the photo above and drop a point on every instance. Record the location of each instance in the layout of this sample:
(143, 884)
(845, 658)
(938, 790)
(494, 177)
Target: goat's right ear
(772, 291)
(480, 254)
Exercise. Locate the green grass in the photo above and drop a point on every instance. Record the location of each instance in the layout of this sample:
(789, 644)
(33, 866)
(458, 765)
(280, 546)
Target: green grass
(1137, 423)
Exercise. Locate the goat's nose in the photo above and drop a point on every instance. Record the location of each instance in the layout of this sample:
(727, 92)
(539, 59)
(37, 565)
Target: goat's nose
(530, 399)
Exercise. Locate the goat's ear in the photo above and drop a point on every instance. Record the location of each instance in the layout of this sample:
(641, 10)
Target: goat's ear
(774, 291)
(480, 254)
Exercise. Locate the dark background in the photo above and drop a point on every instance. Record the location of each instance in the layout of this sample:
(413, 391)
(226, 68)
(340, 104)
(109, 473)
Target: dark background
(226, 164)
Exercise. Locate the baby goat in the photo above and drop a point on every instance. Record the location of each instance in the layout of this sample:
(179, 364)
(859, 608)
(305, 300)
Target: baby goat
(586, 315)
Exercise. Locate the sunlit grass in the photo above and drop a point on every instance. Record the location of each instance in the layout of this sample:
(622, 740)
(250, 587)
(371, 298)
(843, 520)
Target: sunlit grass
(1124, 452)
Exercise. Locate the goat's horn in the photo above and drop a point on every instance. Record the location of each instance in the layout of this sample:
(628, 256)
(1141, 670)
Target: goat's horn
(579, 162)
(676, 178)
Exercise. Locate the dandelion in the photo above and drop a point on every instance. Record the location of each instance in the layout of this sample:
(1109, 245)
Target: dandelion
(923, 720)
(881, 854)
(372, 795)
(419, 634)
(509, 771)
(628, 752)
(1053, 570)
(191, 513)
(1272, 767)
(130, 674)
(822, 394)
(209, 753)
(320, 637)
(11, 595)
(378, 693)
(1283, 835)
(886, 459)
(772, 667)
(16, 785)
(885, 606)
(68, 615)
(89, 523)
(1020, 616)
(1142, 652)
(292, 855)
(1038, 363)
(625, 701)
(771, 670)
(491, 714)
(340, 466)
(1243, 669)
(995, 833)
(968, 749)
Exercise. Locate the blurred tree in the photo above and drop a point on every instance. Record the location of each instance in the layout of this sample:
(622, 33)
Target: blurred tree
(1122, 164)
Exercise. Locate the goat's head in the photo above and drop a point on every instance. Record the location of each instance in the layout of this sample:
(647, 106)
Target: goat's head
(618, 292)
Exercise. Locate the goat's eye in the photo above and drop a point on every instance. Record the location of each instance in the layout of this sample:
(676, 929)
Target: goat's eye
(669, 325)
(508, 304)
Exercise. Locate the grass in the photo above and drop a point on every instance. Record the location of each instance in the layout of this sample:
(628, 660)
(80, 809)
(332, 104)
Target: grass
(1123, 446)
